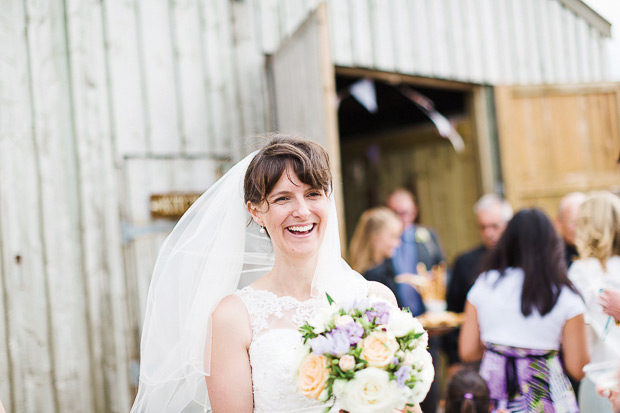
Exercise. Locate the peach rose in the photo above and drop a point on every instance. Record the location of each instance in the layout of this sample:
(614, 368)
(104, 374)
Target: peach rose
(379, 348)
(312, 376)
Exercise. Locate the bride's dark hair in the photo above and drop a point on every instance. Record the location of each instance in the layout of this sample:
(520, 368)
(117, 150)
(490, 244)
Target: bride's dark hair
(308, 160)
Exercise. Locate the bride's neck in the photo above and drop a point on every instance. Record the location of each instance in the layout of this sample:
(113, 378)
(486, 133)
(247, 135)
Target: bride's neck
(292, 278)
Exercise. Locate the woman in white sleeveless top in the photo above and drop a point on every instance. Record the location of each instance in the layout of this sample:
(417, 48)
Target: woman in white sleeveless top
(272, 213)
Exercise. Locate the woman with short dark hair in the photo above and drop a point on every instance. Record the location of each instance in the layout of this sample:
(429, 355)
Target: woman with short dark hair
(212, 340)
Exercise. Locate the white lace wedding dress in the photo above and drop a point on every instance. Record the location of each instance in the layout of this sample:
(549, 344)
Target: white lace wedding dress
(275, 350)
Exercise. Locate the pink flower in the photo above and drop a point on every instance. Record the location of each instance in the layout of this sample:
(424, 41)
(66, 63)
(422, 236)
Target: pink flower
(346, 362)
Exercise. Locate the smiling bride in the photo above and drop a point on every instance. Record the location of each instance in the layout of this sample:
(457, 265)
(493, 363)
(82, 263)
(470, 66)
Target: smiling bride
(206, 344)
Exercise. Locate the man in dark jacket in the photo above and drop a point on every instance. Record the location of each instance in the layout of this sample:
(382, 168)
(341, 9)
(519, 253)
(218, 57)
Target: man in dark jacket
(492, 215)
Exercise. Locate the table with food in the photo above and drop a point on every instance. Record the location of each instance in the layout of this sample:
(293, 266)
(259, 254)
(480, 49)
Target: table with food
(432, 287)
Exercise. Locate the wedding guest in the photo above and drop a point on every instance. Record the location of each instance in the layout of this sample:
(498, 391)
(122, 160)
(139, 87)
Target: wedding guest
(597, 277)
(613, 395)
(492, 215)
(520, 313)
(467, 393)
(566, 223)
(376, 236)
(609, 299)
(418, 245)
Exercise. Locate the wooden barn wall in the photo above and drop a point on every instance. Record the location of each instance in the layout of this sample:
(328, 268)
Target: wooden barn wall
(479, 41)
(582, 125)
(104, 102)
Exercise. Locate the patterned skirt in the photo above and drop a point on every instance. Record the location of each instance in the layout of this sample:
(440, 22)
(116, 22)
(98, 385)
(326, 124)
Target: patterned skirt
(524, 380)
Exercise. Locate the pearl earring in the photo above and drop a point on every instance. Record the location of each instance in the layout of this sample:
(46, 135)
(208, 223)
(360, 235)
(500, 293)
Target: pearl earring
(262, 230)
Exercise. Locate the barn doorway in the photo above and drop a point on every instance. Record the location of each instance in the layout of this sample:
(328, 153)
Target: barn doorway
(399, 146)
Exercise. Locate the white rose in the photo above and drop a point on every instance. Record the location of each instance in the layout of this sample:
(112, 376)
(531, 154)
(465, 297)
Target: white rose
(339, 387)
(321, 319)
(371, 391)
(402, 323)
(419, 350)
(422, 360)
(346, 362)
(422, 341)
(425, 374)
(409, 358)
(419, 392)
(343, 320)
(423, 385)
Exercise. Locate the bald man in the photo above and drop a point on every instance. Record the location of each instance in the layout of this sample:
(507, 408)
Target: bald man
(566, 223)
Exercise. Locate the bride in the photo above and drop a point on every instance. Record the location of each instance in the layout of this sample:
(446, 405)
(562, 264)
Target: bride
(207, 344)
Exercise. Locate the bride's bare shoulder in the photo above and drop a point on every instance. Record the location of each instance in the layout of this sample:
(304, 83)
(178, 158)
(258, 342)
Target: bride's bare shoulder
(379, 290)
(232, 315)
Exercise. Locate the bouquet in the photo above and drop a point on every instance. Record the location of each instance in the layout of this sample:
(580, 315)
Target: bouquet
(368, 356)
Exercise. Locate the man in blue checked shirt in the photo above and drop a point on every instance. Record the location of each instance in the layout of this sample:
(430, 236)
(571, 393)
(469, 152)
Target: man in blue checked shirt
(418, 245)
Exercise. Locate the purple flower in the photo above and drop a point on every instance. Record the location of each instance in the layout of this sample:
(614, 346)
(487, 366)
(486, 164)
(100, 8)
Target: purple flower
(340, 342)
(320, 345)
(353, 331)
(402, 374)
(360, 304)
(380, 312)
(335, 343)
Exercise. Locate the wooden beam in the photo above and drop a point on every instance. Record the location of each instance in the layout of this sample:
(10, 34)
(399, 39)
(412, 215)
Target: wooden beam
(568, 89)
(593, 18)
(485, 154)
(397, 78)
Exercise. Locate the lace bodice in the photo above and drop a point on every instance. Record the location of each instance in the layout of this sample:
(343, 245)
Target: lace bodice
(275, 350)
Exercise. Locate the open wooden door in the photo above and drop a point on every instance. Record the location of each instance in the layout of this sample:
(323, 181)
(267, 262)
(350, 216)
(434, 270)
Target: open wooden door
(556, 139)
(304, 92)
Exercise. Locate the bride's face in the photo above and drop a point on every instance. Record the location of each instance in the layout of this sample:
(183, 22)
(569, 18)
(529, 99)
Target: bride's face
(296, 217)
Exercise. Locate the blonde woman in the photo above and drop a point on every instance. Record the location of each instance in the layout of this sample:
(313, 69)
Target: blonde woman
(598, 271)
(376, 236)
